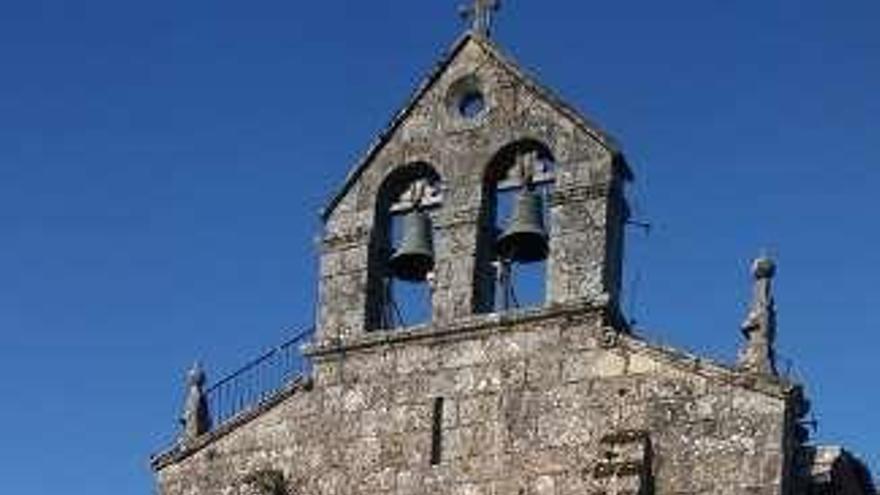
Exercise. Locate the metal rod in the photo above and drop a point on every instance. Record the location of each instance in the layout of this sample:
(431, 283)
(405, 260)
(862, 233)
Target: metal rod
(257, 381)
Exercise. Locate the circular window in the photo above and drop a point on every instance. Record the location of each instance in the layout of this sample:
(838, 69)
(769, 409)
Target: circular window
(471, 105)
(466, 99)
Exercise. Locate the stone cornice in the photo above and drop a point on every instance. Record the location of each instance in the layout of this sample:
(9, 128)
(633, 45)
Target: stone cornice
(613, 338)
(464, 328)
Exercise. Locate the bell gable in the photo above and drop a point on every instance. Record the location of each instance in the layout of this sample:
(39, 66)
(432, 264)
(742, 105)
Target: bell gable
(466, 133)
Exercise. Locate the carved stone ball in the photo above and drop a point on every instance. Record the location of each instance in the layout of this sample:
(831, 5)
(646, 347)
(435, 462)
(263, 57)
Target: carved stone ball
(764, 268)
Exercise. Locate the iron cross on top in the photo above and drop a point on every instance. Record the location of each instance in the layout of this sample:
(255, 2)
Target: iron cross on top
(480, 14)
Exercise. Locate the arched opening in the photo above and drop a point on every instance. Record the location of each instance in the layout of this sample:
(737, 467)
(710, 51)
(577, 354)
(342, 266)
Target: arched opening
(402, 248)
(513, 243)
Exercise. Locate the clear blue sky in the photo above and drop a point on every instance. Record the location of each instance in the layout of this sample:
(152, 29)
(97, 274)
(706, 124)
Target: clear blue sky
(162, 164)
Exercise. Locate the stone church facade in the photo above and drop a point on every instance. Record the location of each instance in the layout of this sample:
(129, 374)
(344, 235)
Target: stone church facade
(483, 397)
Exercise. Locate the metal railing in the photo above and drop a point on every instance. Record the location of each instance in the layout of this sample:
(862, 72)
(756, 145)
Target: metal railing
(259, 380)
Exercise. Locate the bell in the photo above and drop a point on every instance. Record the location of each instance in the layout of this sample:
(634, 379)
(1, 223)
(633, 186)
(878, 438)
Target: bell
(414, 257)
(525, 239)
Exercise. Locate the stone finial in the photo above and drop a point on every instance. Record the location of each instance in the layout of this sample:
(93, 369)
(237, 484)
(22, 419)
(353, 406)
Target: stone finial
(759, 355)
(480, 14)
(196, 419)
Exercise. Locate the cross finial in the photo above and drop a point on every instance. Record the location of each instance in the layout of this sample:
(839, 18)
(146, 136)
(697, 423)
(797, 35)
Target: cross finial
(480, 14)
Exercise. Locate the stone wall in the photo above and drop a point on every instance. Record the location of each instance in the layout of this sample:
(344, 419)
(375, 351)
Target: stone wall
(543, 403)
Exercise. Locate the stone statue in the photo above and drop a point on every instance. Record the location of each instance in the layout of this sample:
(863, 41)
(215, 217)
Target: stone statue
(759, 328)
(196, 419)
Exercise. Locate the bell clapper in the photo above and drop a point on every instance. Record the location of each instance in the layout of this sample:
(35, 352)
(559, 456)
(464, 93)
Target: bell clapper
(504, 282)
(391, 315)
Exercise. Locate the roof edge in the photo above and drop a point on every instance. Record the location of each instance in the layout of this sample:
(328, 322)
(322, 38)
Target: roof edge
(398, 119)
(773, 386)
(585, 124)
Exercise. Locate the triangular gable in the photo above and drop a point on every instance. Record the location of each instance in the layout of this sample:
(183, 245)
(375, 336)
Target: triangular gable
(436, 73)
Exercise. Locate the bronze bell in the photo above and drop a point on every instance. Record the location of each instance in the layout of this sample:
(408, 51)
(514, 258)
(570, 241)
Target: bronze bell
(414, 257)
(525, 239)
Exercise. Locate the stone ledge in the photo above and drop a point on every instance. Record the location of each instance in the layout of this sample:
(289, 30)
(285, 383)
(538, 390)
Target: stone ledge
(617, 337)
(460, 329)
